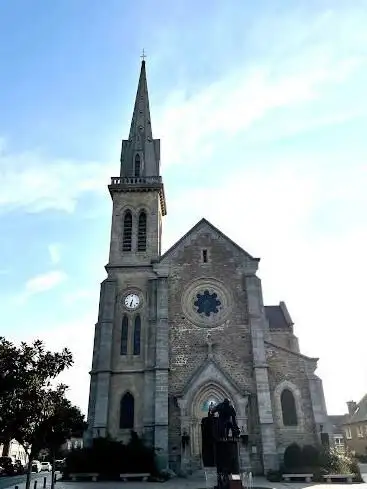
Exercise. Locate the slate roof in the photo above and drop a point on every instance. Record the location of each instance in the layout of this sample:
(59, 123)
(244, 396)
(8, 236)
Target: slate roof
(276, 318)
(360, 414)
(337, 421)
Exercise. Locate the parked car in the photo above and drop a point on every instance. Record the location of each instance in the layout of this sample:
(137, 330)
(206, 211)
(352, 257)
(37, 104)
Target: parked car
(36, 466)
(46, 466)
(59, 464)
(19, 467)
(8, 466)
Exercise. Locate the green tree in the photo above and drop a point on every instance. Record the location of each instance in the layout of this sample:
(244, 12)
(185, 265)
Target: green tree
(60, 421)
(26, 376)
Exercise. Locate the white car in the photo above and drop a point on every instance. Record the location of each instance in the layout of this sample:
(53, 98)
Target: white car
(36, 466)
(46, 466)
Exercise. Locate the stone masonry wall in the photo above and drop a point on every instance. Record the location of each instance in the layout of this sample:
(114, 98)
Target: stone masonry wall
(291, 369)
(231, 340)
(128, 370)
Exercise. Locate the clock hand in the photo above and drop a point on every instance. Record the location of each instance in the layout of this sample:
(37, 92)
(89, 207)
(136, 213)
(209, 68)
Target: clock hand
(131, 302)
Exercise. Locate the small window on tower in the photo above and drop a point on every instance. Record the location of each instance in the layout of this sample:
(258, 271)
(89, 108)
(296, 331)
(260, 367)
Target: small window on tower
(137, 166)
(137, 333)
(124, 335)
(205, 256)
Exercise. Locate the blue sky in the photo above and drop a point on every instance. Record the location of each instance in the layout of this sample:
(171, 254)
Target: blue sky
(261, 110)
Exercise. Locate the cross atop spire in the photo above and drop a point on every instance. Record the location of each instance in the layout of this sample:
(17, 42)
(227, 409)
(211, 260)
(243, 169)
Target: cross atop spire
(143, 55)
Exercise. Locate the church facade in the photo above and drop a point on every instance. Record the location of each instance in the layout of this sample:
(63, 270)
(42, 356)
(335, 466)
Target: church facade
(179, 330)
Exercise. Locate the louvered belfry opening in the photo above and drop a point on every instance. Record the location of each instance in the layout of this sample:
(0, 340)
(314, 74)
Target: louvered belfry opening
(128, 229)
(142, 231)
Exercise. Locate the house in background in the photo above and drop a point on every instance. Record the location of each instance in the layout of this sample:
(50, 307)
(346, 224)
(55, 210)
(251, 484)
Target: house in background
(355, 427)
(15, 451)
(338, 436)
(73, 443)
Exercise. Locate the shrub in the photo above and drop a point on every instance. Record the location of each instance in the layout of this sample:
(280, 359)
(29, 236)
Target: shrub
(293, 457)
(110, 458)
(318, 473)
(337, 463)
(310, 456)
(274, 476)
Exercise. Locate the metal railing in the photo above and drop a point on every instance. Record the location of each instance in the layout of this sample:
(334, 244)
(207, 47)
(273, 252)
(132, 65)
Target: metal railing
(136, 180)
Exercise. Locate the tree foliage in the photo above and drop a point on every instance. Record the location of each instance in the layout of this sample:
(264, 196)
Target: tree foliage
(54, 422)
(25, 371)
(31, 410)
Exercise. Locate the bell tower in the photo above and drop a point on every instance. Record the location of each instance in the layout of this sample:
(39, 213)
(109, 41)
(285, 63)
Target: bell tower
(138, 193)
(129, 376)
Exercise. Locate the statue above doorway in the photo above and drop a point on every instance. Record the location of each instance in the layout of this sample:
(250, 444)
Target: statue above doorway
(227, 419)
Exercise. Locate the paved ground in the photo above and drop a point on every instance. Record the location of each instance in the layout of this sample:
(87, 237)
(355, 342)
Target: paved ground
(19, 480)
(195, 482)
(188, 484)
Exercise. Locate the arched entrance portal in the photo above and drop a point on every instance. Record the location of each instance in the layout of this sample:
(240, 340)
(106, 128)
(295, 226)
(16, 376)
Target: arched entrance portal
(211, 393)
(209, 384)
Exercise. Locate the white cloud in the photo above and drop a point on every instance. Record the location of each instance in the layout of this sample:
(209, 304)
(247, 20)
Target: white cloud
(55, 253)
(304, 62)
(34, 182)
(42, 283)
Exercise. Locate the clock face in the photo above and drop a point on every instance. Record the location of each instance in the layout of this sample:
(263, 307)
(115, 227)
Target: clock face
(132, 301)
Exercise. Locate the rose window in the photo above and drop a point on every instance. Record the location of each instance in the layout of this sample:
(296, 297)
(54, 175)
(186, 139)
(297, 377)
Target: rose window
(207, 303)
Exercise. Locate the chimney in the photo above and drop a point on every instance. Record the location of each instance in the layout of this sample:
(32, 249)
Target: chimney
(352, 406)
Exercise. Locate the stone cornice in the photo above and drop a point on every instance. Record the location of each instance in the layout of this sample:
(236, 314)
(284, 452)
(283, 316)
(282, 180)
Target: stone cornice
(127, 371)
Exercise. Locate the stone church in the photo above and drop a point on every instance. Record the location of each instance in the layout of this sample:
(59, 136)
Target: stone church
(180, 329)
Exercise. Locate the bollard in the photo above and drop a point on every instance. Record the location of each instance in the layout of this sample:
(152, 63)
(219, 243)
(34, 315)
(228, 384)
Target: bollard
(44, 482)
(35, 485)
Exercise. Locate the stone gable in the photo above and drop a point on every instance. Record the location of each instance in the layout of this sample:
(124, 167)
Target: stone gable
(206, 229)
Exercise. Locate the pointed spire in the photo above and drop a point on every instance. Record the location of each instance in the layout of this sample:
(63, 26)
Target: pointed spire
(141, 128)
(140, 154)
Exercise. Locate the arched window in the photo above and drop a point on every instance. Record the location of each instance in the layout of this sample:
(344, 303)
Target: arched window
(127, 232)
(137, 166)
(289, 410)
(142, 231)
(124, 334)
(127, 411)
(137, 333)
